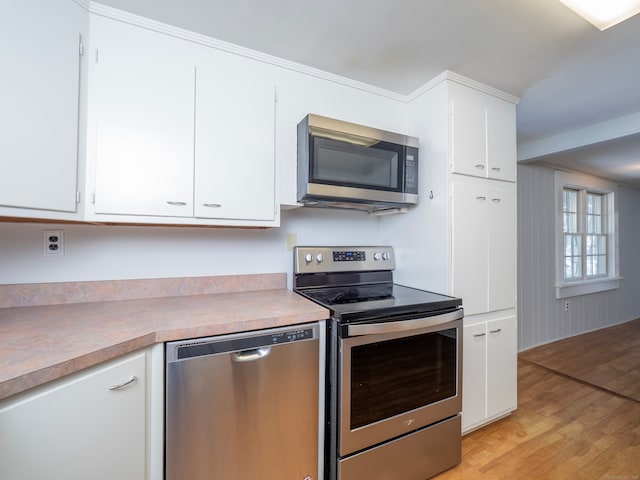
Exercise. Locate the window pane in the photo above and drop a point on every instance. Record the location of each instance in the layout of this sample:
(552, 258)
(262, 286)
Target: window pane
(594, 213)
(596, 245)
(572, 268)
(569, 200)
(570, 223)
(570, 210)
(572, 245)
(596, 265)
(594, 203)
(573, 256)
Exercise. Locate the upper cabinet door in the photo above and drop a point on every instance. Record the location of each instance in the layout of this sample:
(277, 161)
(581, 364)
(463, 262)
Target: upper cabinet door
(234, 146)
(144, 119)
(501, 140)
(468, 132)
(40, 54)
(483, 134)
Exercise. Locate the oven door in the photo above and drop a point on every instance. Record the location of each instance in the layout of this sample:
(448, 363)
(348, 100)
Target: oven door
(397, 377)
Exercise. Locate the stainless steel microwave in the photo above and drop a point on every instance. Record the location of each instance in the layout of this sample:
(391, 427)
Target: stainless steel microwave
(345, 165)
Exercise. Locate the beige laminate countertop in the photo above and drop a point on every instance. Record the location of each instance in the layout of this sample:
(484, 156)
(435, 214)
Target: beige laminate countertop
(43, 343)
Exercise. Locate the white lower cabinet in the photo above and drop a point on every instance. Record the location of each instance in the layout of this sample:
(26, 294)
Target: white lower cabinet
(489, 371)
(82, 426)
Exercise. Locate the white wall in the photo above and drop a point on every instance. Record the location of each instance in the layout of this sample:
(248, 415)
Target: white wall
(541, 317)
(95, 252)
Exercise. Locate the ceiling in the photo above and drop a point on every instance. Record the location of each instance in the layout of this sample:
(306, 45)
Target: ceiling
(568, 74)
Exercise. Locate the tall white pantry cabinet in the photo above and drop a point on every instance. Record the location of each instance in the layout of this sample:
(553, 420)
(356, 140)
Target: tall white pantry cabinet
(467, 208)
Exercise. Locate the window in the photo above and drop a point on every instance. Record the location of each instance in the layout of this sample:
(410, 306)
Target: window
(587, 235)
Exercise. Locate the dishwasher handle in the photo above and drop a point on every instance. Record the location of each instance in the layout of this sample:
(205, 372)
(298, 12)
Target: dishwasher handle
(242, 347)
(250, 355)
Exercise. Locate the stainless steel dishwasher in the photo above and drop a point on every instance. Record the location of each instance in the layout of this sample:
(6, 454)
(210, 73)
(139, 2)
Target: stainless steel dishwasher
(244, 406)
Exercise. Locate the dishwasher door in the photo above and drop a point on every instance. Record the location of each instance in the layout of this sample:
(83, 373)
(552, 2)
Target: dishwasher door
(244, 406)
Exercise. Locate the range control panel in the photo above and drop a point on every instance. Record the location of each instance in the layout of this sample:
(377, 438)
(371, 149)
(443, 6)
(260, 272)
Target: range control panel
(342, 259)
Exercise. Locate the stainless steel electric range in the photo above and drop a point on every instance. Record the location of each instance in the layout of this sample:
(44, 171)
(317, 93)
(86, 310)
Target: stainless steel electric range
(394, 366)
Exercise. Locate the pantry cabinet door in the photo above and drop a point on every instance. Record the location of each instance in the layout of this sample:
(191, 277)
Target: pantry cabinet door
(502, 231)
(470, 246)
(144, 121)
(234, 146)
(40, 88)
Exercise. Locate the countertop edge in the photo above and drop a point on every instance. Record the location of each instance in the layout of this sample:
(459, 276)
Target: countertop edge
(302, 311)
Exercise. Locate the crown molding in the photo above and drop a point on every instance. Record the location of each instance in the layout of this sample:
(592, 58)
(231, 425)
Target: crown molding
(137, 20)
(462, 80)
(132, 19)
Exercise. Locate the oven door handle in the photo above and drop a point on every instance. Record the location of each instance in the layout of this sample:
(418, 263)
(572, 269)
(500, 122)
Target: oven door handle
(403, 325)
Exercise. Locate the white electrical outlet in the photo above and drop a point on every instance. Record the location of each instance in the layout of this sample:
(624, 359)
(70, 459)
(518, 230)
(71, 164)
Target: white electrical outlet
(53, 243)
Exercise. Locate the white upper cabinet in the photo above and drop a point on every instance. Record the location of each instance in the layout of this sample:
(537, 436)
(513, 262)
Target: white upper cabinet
(144, 120)
(483, 134)
(234, 146)
(182, 134)
(40, 85)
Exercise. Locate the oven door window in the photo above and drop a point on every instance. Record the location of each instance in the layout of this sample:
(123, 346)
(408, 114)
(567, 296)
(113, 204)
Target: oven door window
(395, 376)
(345, 164)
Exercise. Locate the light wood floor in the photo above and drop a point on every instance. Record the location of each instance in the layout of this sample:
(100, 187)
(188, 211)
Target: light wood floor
(608, 358)
(563, 429)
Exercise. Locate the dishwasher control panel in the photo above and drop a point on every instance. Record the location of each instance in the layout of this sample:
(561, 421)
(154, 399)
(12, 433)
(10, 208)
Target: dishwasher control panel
(292, 336)
(184, 350)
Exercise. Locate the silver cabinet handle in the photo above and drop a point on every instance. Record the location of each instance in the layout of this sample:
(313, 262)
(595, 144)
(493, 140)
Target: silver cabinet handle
(177, 204)
(132, 380)
(477, 335)
(495, 169)
(212, 205)
(481, 198)
(495, 200)
(480, 166)
(495, 331)
(251, 355)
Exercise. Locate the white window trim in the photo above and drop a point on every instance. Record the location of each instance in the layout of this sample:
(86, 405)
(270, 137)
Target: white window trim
(581, 181)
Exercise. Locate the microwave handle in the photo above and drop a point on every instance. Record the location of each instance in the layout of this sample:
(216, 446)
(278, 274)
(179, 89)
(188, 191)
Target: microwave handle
(403, 325)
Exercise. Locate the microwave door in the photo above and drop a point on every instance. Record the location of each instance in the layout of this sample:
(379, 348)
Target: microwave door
(349, 165)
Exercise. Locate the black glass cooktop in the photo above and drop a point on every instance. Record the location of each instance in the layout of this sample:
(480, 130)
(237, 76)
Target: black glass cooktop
(377, 300)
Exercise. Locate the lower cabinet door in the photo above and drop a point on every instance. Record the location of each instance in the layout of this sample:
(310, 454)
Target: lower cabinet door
(473, 375)
(502, 363)
(89, 427)
(489, 371)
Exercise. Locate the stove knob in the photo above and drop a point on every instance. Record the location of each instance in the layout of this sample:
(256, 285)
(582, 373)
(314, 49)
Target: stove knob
(377, 256)
(308, 258)
(319, 258)
(386, 256)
